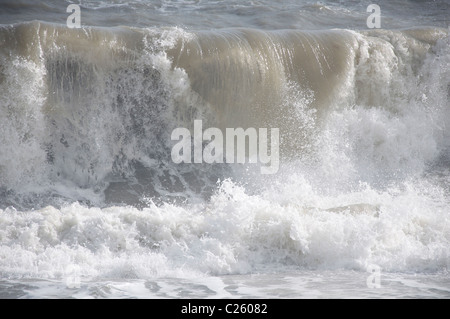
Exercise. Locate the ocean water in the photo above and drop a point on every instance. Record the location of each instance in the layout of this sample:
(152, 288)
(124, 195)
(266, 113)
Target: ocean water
(93, 206)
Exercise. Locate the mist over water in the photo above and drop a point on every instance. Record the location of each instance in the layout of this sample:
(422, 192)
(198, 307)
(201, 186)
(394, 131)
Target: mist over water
(89, 192)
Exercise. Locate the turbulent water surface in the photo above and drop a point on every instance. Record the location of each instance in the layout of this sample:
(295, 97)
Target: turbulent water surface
(92, 204)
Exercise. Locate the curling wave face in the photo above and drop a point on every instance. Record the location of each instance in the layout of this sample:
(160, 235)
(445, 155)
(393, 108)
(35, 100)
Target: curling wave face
(86, 117)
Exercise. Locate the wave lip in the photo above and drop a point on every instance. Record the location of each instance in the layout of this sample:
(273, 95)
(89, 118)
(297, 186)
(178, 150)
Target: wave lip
(91, 110)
